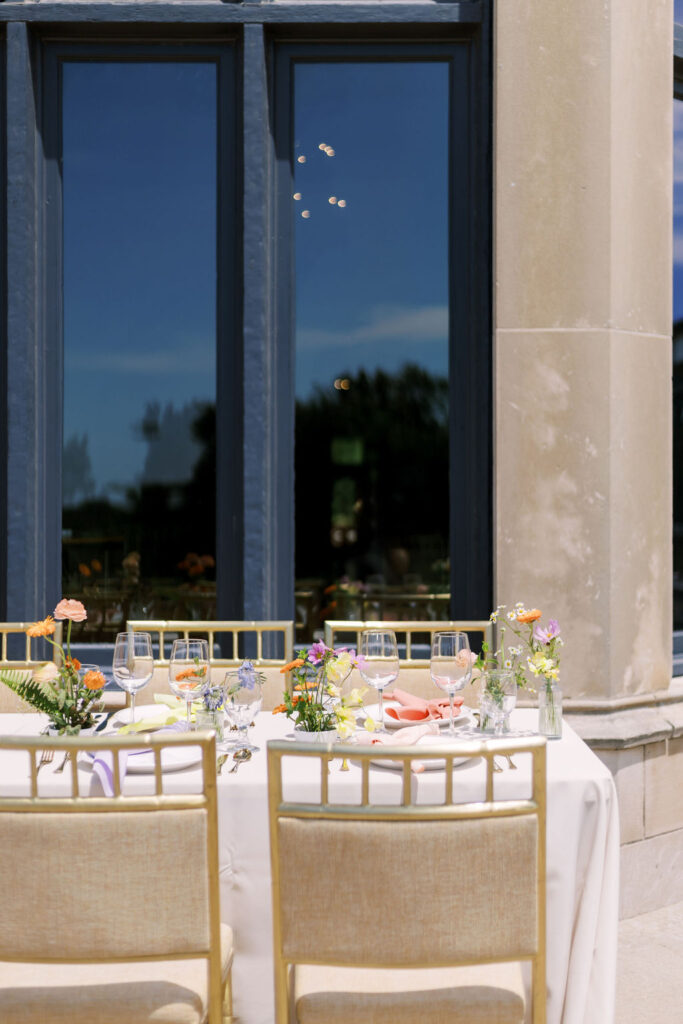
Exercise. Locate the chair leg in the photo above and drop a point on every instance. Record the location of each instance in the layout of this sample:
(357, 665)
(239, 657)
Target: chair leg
(227, 999)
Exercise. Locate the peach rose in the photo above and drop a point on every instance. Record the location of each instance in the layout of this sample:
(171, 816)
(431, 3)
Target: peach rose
(70, 609)
(46, 673)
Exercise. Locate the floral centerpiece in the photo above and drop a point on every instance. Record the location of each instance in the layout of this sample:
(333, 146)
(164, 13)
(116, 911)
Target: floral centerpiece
(315, 704)
(536, 650)
(67, 693)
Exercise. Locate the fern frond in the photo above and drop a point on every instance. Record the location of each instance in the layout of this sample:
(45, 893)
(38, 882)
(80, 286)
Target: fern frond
(29, 690)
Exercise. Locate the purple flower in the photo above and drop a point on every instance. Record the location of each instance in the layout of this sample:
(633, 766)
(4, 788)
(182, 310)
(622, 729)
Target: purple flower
(544, 636)
(247, 675)
(317, 652)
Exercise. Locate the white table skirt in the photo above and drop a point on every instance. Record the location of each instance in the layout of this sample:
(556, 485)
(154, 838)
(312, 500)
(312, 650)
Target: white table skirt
(582, 859)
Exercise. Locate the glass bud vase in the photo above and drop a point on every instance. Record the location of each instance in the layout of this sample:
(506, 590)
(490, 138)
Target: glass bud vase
(550, 711)
(496, 701)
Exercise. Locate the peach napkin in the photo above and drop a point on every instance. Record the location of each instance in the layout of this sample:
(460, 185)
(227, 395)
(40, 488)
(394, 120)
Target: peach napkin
(416, 709)
(406, 738)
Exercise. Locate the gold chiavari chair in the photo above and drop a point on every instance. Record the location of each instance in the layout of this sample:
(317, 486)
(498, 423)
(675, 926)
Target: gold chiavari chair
(414, 676)
(261, 634)
(145, 942)
(12, 631)
(393, 950)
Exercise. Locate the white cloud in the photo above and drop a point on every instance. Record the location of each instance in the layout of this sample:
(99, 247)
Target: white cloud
(414, 323)
(190, 356)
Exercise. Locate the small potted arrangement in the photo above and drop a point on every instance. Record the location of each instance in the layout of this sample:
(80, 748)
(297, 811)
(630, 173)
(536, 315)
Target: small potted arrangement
(315, 703)
(68, 692)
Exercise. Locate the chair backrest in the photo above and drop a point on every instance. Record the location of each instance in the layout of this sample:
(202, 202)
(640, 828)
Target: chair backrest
(161, 897)
(483, 862)
(406, 631)
(261, 634)
(24, 658)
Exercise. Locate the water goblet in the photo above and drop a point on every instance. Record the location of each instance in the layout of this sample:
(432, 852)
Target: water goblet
(133, 663)
(451, 665)
(188, 671)
(243, 700)
(378, 662)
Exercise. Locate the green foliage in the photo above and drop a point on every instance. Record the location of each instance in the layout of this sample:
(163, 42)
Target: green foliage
(30, 690)
(68, 705)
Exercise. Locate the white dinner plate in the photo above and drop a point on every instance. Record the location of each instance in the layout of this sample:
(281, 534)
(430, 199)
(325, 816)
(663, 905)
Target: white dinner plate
(429, 765)
(466, 717)
(173, 759)
(142, 712)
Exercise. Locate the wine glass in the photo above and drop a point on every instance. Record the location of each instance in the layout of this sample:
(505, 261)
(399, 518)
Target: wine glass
(243, 700)
(133, 664)
(451, 665)
(378, 662)
(188, 671)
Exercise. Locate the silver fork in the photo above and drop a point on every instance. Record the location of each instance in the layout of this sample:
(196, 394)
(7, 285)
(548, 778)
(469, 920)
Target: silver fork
(45, 758)
(62, 766)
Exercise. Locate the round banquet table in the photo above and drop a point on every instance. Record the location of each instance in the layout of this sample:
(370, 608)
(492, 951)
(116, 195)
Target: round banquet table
(582, 855)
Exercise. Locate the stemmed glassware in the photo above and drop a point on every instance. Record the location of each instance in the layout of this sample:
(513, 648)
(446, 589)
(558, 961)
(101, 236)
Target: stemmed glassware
(188, 671)
(378, 662)
(133, 664)
(243, 700)
(451, 665)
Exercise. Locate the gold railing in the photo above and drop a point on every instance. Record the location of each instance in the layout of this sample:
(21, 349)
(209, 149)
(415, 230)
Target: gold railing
(183, 629)
(8, 629)
(408, 629)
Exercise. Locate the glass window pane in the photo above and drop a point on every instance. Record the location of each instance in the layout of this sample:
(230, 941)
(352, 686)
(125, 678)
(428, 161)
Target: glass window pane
(139, 222)
(371, 213)
(678, 363)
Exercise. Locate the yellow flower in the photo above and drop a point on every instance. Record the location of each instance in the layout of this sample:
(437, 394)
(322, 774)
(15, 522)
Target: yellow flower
(338, 668)
(346, 722)
(355, 698)
(370, 724)
(332, 691)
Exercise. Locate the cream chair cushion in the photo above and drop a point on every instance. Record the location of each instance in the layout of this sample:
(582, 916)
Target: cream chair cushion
(480, 994)
(166, 992)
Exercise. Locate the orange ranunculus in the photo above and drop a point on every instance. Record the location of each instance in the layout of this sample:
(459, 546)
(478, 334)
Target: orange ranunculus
(70, 609)
(280, 708)
(73, 663)
(44, 628)
(297, 663)
(529, 616)
(306, 686)
(84, 569)
(93, 680)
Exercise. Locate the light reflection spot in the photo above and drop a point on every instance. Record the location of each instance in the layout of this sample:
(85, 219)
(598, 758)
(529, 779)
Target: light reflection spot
(332, 200)
(301, 159)
(342, 202)
(297, 195)
(306, 214)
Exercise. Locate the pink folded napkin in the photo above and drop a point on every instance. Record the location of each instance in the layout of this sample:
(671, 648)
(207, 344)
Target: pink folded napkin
(406, 738)
(417, 709)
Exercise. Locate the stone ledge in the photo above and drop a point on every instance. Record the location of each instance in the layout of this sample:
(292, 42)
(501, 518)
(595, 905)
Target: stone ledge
(629, 727)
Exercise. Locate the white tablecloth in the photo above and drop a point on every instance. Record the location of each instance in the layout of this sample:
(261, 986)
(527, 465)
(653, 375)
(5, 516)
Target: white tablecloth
(582, 860)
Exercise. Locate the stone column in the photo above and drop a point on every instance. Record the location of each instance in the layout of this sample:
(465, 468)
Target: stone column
(582, 312)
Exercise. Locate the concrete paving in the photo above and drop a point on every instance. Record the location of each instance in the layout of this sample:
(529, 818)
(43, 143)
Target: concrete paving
(650, 968)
